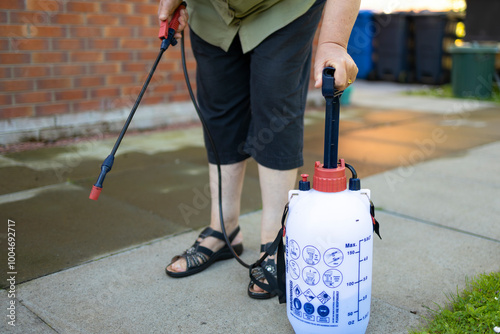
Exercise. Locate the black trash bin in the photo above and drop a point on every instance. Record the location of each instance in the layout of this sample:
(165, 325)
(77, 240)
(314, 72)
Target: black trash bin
(393, 47)
(429, 31)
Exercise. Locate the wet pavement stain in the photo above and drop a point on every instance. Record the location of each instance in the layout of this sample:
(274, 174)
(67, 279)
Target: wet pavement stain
(59, 228)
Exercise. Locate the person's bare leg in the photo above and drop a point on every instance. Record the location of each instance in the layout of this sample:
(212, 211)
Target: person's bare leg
(274, 185)
(232, 185)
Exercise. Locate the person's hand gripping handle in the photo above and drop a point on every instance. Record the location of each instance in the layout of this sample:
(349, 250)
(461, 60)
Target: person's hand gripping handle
(168, 30)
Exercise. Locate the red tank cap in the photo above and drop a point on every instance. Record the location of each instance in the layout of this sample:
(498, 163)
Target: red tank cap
(329, 180)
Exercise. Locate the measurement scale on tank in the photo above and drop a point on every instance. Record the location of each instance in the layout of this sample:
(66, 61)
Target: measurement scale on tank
(363, 304)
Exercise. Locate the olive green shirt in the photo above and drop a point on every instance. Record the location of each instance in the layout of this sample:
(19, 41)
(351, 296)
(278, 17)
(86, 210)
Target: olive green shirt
(219, 21)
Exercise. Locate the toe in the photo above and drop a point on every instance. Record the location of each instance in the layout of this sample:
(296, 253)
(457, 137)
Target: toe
(178, 266)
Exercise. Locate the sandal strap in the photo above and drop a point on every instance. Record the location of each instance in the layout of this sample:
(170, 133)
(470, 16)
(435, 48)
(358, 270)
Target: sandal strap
(210, 232)
(196, 255)
(195, 259)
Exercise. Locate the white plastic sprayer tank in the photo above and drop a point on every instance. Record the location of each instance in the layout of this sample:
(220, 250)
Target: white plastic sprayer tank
(329, 247)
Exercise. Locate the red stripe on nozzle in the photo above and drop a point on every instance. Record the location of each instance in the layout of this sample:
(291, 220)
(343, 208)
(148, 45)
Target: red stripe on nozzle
(95, 192)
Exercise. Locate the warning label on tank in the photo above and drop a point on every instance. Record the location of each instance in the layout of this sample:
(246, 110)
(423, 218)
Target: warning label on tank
(309, 295)
(335, 307)
(323, 297)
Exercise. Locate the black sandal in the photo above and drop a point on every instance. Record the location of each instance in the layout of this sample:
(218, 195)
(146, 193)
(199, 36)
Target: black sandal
(199, 258)
(266, 270)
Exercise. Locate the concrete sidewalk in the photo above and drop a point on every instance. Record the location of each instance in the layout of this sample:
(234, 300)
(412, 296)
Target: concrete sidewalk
(434, 179)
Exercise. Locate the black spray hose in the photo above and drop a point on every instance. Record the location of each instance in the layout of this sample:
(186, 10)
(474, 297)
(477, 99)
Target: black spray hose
(216, 154)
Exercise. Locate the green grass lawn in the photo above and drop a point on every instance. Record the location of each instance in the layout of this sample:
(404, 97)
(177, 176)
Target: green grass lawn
(447, 91)
(474, 310)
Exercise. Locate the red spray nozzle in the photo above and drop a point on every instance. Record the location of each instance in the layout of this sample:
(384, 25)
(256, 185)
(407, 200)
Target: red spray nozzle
(95, 192)
(105, 168)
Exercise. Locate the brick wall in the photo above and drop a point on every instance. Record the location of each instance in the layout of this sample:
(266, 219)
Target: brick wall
(65, 57)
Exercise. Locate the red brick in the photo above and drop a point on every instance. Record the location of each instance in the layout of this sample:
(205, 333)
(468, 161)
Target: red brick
(151, 9)
(89, 81)
(68, 44)
(131, 91)
(3, 17)
(148, 32)
(147, 55)
(48, 31)
(13, 4)
(53, 83)
(136, 43)
(134, 20)
(31, 71)
(34, 18)
(15, 30)
(67, 19)
(16, 85)
(105, 92)
(103, 43)
(104, 68)
(85, 31)
(164, 88)
(121, 79)
(158, 79)
(76, 94)
(28, 44)
(13, 112)
(118, 32)
(6, 43)
(179, 77)
(121, 102)
(118, 55)
(169, 66)
(33, 97)
(70, 70)
(44, 5)
(52, 109)
(87, 105)
(86, 56)
(174, 55)
(49, 57)
(84, 7)
(5, 72)
(102, 19)
(136, 67)
(14, 58)
(179, 97)
(5, 99)
(153, 99)
(116, 8)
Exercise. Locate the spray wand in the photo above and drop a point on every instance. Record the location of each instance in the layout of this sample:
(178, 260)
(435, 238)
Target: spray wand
(166, 35)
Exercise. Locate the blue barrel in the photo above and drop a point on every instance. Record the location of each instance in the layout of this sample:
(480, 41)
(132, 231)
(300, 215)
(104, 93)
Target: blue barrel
(360, 46)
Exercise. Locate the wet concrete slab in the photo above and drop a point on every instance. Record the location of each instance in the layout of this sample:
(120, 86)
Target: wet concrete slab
(178, 190)
(58, 227)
